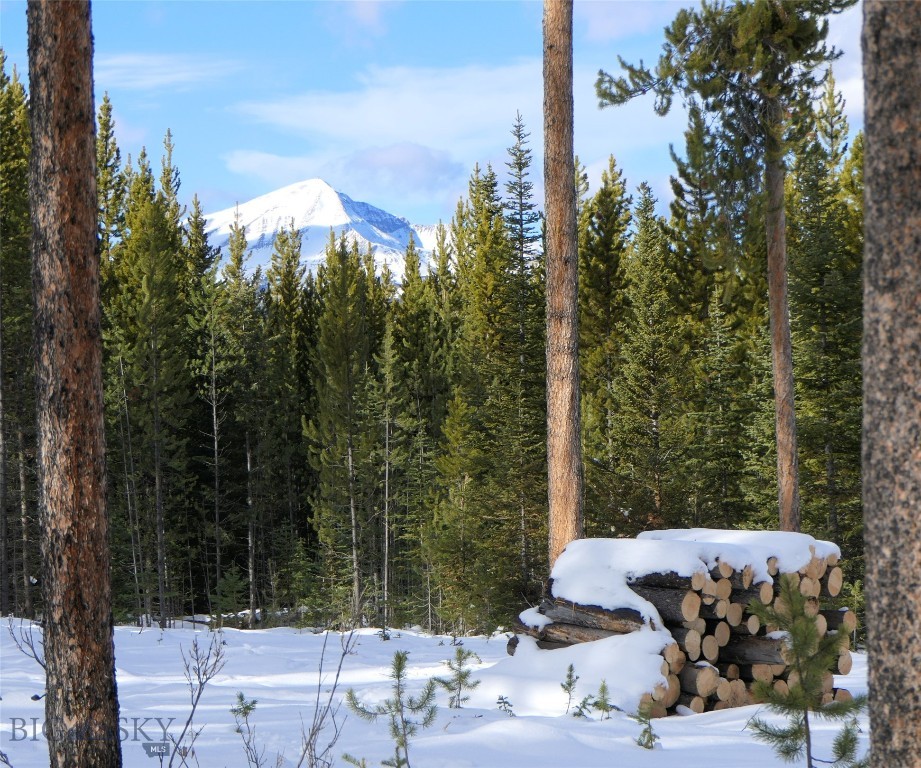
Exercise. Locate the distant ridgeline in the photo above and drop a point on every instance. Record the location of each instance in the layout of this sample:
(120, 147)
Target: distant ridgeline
(315, 207)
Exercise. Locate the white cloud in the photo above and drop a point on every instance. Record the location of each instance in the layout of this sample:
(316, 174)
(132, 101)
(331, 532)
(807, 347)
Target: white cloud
(611, 20)
(413, 174)
(844, 34)
(153, 71)
(452, 107)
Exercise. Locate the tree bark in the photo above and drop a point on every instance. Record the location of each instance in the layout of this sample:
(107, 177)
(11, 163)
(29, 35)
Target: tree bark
(892, 377)
(4, 564)
(81, 705)
(564, 456)
(781, 345)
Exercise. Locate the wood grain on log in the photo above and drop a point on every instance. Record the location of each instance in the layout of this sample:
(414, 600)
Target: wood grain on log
(618, 620)
(672, 604)
(832, 582)
(699, 680)
(689, 640)
(695, 703)
(709, 648)
(843, 619)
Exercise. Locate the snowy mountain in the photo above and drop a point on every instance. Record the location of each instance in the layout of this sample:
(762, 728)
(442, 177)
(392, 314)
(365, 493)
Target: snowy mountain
(315, 208)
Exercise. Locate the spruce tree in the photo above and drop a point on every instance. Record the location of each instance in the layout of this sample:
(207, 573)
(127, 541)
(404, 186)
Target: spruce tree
(649, 432)
(338, 429)
(603, 245)
(825, 287)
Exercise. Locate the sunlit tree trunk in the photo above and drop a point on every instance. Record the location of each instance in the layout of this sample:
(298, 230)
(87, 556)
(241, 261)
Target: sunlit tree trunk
(892, 377)
(564, 456)
(81, 705)
(781, 344)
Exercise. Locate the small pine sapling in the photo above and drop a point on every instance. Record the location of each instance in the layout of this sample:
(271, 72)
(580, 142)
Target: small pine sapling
(584, 707)
(241, 713)
(569, 686)
(810, 656)
(603, 701)
(406, 714)
(461, 677)
(505, 706)
(648, 737)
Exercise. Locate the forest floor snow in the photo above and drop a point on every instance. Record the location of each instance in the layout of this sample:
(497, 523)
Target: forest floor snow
(279, 669)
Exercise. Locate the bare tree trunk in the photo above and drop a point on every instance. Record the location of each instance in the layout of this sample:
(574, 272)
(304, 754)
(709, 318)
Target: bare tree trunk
(250, 536)
(24, 528)
(81, 705)
(353, 513)
(134, 528)
(892, 376)
(4, 562)
(781, 345)
(386, 574)
(163, 619)
(215, 431)
(564, 457)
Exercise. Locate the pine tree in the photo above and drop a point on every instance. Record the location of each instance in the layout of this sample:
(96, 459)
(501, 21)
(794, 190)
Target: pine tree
(81, 704)
(110, 185)
(649, 432)
(811, 656)
(564, 449)
(338, 429)
(16, 367)
(891, 364)
(752, 65)
(603, 244)
(148, 329)
(825, 287)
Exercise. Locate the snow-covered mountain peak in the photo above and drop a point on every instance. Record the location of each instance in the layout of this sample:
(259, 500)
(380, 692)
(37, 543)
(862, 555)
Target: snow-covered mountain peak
(315, 208)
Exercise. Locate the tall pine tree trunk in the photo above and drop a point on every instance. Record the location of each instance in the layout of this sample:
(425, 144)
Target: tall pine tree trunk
(81, 705)
(158, 488)
(4, 563)
(250, 536)
(892, 377)
(564, 456)
(215, 432)
(781, 345)
(353, 516)
(134, 528)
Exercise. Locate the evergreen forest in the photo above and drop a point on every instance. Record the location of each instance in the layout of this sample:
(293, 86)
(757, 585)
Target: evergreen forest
(341, 448)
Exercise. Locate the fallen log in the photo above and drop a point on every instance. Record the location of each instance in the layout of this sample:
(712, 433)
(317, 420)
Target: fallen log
(696, 704)
(699, 680)
(753, 650)
(709, 648)
(619, 620)
(559, 632)
(832, 582)
(689, 640)
(840, 619)
(673, 605)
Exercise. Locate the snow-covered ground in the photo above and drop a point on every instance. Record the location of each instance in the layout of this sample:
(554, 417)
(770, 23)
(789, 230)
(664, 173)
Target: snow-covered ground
(278, 668)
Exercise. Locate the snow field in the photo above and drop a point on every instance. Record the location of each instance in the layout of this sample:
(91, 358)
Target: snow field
(278, 668)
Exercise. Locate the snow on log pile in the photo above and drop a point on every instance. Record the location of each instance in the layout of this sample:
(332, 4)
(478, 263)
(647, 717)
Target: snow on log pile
(697, 584)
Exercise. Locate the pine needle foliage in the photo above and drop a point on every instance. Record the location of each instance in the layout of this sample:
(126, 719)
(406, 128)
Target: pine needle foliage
(461, 677)
(810, 657)
(569, 686)
(406, 714)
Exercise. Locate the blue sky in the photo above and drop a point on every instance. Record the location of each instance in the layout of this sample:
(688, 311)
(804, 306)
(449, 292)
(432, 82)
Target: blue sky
(390, 102)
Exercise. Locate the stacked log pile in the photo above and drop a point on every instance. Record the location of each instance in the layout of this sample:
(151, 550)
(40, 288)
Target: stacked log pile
(720, 648)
